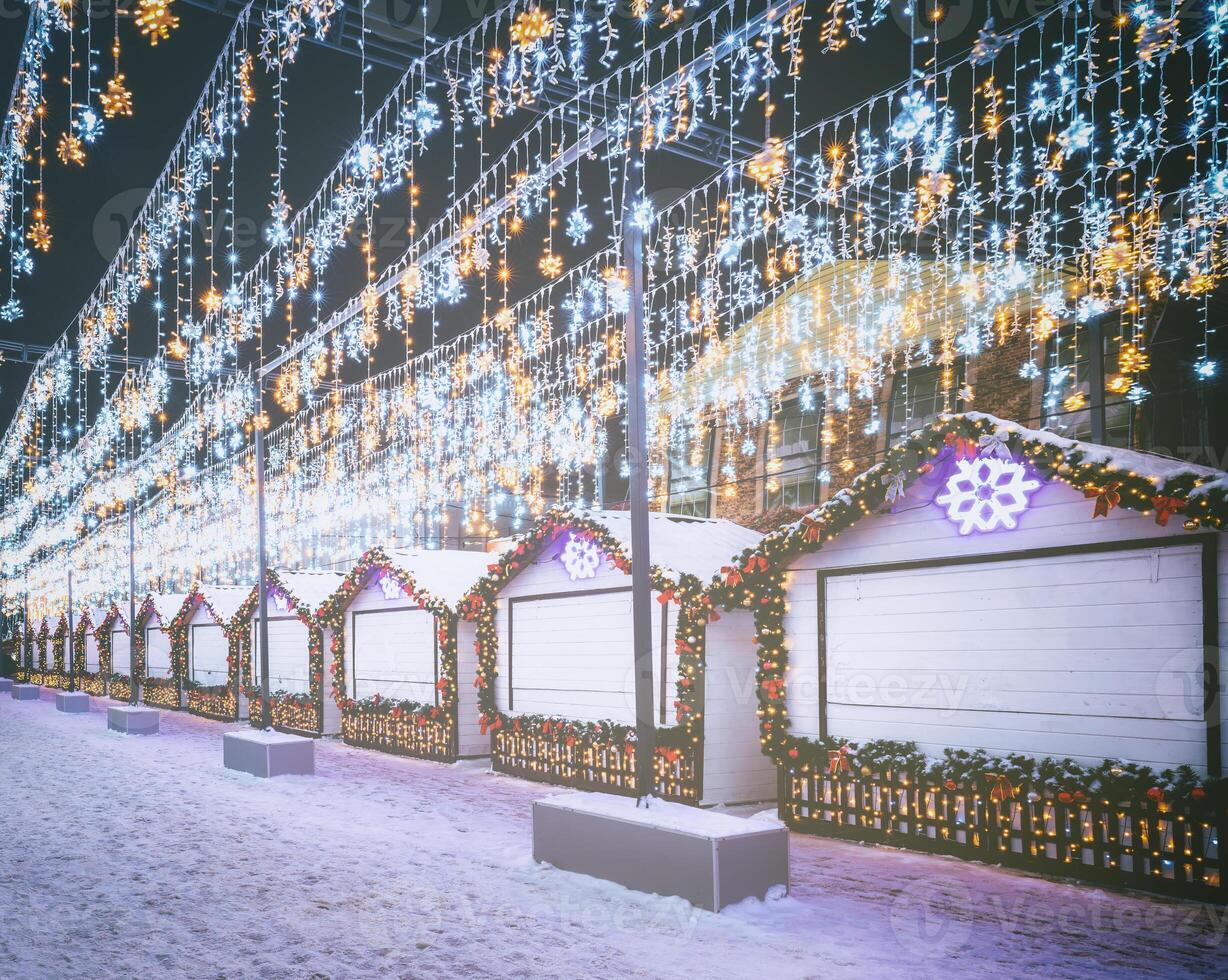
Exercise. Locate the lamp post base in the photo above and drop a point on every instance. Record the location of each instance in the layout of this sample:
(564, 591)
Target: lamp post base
(129, 720)
(268, 754)
(712, 860)
(72, 702)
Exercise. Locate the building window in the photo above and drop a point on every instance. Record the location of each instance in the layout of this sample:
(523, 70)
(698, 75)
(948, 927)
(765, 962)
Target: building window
(918, 396)
(690, 466)
(1079, 386)
(792, 456)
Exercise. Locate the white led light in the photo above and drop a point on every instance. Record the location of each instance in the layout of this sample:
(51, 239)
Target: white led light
(580, 557)
(986, 494)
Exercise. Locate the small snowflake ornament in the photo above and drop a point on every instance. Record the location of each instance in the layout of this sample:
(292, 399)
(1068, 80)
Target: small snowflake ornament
(985, 494)
(581, 557)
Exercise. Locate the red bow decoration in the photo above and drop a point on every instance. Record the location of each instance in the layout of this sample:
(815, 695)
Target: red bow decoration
(838, 760)
(964, 448)
(811, 529)
(772, 687)
(665, 596)
(1166, 507)
(442, 684)
(757, 563)
(669, 755)
(1106, 498)
(732, 576)
(1000, 788)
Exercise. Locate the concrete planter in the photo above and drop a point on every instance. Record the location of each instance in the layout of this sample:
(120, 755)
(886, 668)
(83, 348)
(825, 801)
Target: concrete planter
(131, 720)
(712, 860)
(268, 754)
(73, 703)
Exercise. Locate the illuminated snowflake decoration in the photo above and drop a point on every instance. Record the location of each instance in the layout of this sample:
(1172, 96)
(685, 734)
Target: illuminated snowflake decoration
(986, 494)
(580, 557)
(390, 587)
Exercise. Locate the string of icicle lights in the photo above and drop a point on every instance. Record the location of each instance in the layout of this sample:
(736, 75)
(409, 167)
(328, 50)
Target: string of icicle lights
(495, 82)
(933, 232)
(93, 100)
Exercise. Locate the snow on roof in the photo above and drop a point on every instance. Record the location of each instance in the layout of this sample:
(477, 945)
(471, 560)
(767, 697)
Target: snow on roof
(1159, 468)
(225, 600)
(167, 604)
(678, 545)
(447, 575)
(311, 588)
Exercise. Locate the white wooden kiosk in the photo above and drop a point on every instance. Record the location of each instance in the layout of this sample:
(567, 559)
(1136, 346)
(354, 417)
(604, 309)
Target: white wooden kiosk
(214, 688)
(93, 679)
(1067, 635)
(44, 629)
(563, 685)
(298, 706)
(115, 657)
(402, 663)
(296, 653)
(114, 636)
(160, 687)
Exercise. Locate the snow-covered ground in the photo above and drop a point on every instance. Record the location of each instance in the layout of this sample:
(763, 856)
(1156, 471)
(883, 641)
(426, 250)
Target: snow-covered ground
(144, 857)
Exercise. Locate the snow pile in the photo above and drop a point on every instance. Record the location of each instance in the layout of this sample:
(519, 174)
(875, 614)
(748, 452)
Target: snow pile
(143, 856)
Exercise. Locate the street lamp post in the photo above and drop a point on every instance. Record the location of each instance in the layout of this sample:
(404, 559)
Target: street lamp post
(637, 454)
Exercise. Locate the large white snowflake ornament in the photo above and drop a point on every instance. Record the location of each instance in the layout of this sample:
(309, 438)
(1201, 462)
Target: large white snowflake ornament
(580, 557)
(985, 494)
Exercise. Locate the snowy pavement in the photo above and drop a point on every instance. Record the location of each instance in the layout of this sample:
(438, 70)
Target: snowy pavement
(143, 857)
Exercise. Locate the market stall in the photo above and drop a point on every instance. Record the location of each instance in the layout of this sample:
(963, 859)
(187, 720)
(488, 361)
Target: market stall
(210, 652)
(402, 664)
(296, 652)
(555, 658)
(993, 614)
(162, 683)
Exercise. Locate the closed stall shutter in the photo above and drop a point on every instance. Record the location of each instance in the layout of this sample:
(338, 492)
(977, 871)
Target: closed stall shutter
(287, 655)
(1090, 655)
(91, 653)
(207, 652)
(121, 652)
(157, 652)
(573, 655)
(394, 654)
